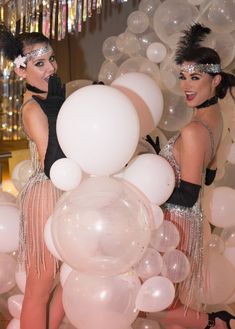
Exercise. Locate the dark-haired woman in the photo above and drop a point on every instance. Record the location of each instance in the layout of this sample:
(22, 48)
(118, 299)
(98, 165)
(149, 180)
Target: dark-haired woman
(192, 154)
(34, 61)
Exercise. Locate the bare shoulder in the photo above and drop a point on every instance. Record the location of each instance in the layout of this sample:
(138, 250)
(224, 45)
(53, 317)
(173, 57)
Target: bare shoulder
(194, 132)
(33, 118)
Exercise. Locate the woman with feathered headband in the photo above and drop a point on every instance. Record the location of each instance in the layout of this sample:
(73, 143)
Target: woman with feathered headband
(34, 61)
(192, 154)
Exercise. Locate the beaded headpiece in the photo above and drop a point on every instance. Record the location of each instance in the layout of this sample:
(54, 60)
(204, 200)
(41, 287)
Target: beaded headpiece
(199, 68)
(22, 60)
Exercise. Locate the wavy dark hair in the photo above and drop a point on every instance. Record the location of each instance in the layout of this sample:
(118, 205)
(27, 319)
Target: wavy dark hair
(12, 46)
(189, 50)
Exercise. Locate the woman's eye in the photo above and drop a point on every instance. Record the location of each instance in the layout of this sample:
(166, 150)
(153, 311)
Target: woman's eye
(39, 63)
(181, 77)
(195, 77)
(52, 58)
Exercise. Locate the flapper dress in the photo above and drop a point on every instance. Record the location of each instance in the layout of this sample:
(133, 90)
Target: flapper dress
(189, 222)
(36, 201)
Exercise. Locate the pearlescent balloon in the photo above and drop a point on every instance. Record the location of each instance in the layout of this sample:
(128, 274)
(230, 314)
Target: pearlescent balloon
(149, 265)
(101, 303)
(156, 52)
(155, 294)
(176, 266)
(108, 72)
(166, 237)
(137, 22)
(110, 49)
(101, 227)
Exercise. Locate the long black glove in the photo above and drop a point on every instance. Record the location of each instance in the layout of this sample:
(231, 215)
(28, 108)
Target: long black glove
(155, 145)
(185, 195)
(210, 176)
(51, 106)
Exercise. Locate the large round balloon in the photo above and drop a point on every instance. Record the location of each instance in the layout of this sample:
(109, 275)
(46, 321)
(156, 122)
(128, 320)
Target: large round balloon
(153, 175)
(102, 303)
(99, 129)
(101, 227)
(145, 95)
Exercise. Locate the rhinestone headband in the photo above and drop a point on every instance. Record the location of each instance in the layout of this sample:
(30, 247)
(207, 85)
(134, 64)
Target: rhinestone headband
(196, 68)
(22, 60)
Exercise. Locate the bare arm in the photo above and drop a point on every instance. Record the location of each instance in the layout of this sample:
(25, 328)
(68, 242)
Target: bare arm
(36, 127)
(193, 148)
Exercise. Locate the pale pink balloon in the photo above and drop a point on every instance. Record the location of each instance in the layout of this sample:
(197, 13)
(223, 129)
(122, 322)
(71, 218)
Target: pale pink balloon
(166, 237)
(216, 243)
(176, 266)
(158, 180)
(141, 323)
(219, 282)
(15, 305)
(222, 206)
(20, 278)
(229, 253)
(149, 265)
(65, 270)
(9, 228)
(102, 303)
(14, 324)
(7, 198)
(7, 272)
(49, 239)
(228, 236)
(155, 294)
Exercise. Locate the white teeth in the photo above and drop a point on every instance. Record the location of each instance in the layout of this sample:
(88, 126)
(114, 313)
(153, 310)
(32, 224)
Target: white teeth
(189, 93)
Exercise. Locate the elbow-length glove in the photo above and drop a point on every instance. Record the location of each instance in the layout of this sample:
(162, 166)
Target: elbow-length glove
(51, 106)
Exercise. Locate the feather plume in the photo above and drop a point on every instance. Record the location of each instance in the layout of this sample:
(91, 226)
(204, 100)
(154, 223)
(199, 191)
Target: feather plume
(190, 40)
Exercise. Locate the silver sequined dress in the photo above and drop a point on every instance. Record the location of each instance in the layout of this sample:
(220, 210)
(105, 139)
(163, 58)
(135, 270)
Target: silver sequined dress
(189, 222)
(36, 200)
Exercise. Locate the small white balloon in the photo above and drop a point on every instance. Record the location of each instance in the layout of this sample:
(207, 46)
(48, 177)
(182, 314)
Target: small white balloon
(15, 305)
(65, 174)
(156, 52)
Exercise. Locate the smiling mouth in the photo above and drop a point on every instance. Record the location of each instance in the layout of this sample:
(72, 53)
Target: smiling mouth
(190, 95)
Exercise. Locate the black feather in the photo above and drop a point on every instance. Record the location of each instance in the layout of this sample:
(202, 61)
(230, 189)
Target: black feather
(189, 41)
(10, 46)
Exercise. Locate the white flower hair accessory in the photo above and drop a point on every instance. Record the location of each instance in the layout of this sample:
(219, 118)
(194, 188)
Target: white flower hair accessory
(20, 61)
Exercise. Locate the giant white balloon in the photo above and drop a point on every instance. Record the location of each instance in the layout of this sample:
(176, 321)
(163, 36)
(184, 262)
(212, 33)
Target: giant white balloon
(139, 85)
(98, 128)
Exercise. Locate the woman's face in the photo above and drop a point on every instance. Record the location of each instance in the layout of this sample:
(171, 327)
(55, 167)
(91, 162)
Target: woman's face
(197, 86)
(40, 68)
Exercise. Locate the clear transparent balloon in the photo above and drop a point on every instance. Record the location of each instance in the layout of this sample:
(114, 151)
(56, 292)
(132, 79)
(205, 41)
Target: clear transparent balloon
(165, 238)
(172, 17)
(176, 266)
(175, 113)
(101, 227)
(138, 22)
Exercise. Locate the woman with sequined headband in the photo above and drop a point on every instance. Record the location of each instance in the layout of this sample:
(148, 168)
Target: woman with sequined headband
(192, 154)
(34, 61)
